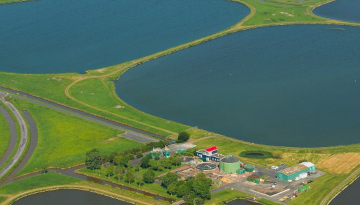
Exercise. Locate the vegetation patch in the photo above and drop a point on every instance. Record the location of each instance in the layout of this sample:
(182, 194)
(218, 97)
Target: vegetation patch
(340, 163)
(256, 154)
(64, 139)
(41, 180)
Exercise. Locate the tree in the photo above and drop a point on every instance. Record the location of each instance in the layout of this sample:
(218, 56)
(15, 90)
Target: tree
(145, 161)
(139, 155)
(110, 170)
(131, 156)
(168, 179)
(172, 188)
(182, 190)
(137, 168)
(154, 164)
(117, 159)
(93, 159)
(140, 180)
(201, 189)
(105, 159)
(176, 161)
(149, 176)
(112, 156)
(129, 176)
(119, 172)
(124, 160)
(183, 136)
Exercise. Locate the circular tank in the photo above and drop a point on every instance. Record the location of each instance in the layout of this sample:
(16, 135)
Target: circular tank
(249, 167)
(229, 164)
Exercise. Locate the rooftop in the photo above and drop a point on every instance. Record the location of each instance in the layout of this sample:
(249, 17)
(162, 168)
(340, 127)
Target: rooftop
(294, 169)
(211, 149)
(230, 159)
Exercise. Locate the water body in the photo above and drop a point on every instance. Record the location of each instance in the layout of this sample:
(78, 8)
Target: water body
(241, 202)
(350, 196)
(346, 10)
(68, 197)
(51, 36)
(290, 85)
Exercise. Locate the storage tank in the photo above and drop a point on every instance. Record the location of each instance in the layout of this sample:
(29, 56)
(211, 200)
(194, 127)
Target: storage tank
(249, 168)
(229, 164)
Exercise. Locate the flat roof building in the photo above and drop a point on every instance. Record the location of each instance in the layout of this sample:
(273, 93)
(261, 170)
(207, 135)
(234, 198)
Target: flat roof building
(291, 173)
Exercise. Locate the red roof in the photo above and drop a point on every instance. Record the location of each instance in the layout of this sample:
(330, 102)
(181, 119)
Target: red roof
(211, 149)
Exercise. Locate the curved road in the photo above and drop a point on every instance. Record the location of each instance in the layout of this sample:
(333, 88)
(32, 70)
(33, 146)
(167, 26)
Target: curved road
(131, 133)
(23, 137)
(13, 136)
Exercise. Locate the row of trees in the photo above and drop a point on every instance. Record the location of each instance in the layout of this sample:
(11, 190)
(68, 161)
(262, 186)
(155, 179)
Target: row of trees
(194, 190)
(94, 159)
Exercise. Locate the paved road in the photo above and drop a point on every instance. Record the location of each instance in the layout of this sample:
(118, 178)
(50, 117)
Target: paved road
(23, 137)
(13, 136)
(29, 153)
(131, 133)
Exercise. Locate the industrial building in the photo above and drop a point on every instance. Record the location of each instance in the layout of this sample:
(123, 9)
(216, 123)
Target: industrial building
(158, 152)
(301, 170)
(229, 164)
(209, 154)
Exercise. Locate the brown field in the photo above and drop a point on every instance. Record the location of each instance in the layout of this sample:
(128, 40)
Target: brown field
(340, 163)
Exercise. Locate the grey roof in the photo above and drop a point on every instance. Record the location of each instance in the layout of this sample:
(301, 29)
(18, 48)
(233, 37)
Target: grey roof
(230, 159)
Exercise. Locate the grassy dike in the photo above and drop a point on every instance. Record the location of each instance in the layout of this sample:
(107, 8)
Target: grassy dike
(4, 133)
(84, 91)
(53, 181)
(64, 139)
(18, 133)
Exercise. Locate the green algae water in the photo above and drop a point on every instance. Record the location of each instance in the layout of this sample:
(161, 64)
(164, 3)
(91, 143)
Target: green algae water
(345, 10)
(51, 36)
(290, 85)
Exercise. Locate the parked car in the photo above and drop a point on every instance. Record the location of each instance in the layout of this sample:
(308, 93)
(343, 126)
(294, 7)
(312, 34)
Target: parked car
(297, 178)
(274, 167)
(310, 181)
(282, 164)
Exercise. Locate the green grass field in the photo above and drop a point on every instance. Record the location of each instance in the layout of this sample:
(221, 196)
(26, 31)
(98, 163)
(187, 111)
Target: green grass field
(64, 139)
(4, 134)
(41, 180)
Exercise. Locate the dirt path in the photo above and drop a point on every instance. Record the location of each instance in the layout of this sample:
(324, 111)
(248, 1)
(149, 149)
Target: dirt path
(78, 187)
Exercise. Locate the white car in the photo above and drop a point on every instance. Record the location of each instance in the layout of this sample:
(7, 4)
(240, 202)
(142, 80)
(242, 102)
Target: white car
(274, 167)
(297, 178)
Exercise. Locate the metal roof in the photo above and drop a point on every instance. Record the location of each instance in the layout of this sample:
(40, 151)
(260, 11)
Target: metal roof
(230, 159)
(308, 164)
(211, 149)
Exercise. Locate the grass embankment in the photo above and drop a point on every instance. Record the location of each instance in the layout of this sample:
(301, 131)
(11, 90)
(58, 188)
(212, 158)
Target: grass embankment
(40, 180)
(4, 133)
(64, 139)
(103, 99)
(53, 181)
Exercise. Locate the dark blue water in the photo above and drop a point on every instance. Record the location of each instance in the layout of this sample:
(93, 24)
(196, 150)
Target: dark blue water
(350, 196)
(290, 85)
(51, 36)
(68, 197)
(346, 10)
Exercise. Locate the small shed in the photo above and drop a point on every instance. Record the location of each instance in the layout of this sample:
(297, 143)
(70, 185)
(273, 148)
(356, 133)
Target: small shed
(303, 188)
(254, 178)
(240, 171)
